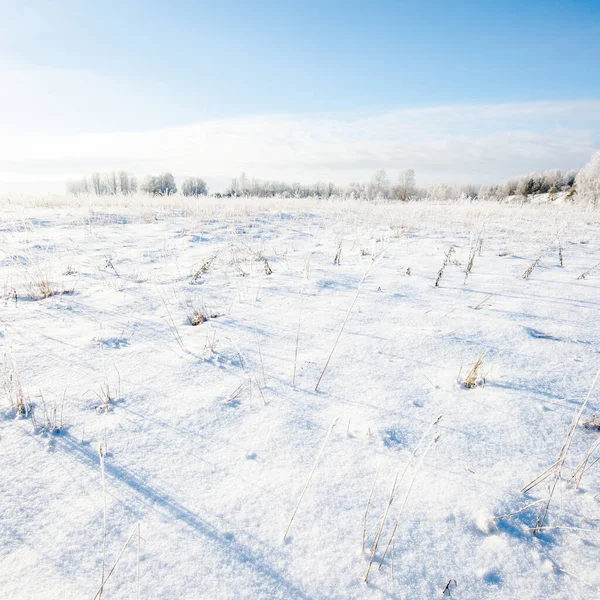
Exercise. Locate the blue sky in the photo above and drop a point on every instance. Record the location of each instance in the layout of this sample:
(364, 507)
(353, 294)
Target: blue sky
(82, 68)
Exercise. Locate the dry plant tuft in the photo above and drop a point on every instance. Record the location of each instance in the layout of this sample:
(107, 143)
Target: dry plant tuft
(108, 395)
(17, 398)
(10, 293)
(592, 423)
(267, 266)
(200, 315)
(235, 263)
(39, 288)
(53, 418)
(475, 376)
(204, 268)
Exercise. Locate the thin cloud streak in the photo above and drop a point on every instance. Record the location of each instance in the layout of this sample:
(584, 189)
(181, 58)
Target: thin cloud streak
(452, 144)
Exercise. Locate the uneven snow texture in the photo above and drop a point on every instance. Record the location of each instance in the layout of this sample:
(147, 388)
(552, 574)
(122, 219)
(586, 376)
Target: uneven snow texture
(209, 445)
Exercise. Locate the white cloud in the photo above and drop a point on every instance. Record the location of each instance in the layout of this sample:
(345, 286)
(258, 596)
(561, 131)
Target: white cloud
(484, 143)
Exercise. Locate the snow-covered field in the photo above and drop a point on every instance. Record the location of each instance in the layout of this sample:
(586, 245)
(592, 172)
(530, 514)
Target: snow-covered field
(180, 453)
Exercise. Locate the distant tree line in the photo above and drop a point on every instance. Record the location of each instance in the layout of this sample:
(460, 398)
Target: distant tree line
(243, 186)
(548, 182)
(583, 184)
(104, 184)
(113, 183)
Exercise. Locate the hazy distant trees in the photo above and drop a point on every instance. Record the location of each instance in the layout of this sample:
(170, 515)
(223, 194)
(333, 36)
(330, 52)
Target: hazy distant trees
(569, 185)
(239, 186)
(406, 187)
(160, 185)
(104, 184)
(127, 183)
(587, 181)
(243, 186)
(194, 186)
(379, 186)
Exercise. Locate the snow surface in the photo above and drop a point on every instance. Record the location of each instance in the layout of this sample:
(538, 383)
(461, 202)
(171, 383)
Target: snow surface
(209, 445)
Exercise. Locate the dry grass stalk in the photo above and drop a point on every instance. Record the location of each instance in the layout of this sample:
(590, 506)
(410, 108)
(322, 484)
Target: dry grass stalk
(416, 472)
(586, 273)
(234, 262)
(517, 512)
(105, 580)
(204, 268)
(309, 478)
(337, 339)
(475, 377)
(560, 253)
(446, 590)
(529, 270)
(558, 468)
(210, 344)
(52, 422)
(17, 398)
(304, 280)
(245, 385)
(337, 260)
(541, 477)
(482, 304)
(475, 249)
(447, 258)
(109, 264)
(585, 464)
(397, 481)
(367, 509)
(172, 326)
(102, 453)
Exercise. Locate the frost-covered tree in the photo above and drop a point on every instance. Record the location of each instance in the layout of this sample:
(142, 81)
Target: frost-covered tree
(439, 192)
(127, 183)
(587, 181)
(160, 185)
(356, 191)
(194, 186)
(379, 186)
(405, 189)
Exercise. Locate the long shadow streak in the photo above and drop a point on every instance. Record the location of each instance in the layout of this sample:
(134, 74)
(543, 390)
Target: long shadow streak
(178, 511)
